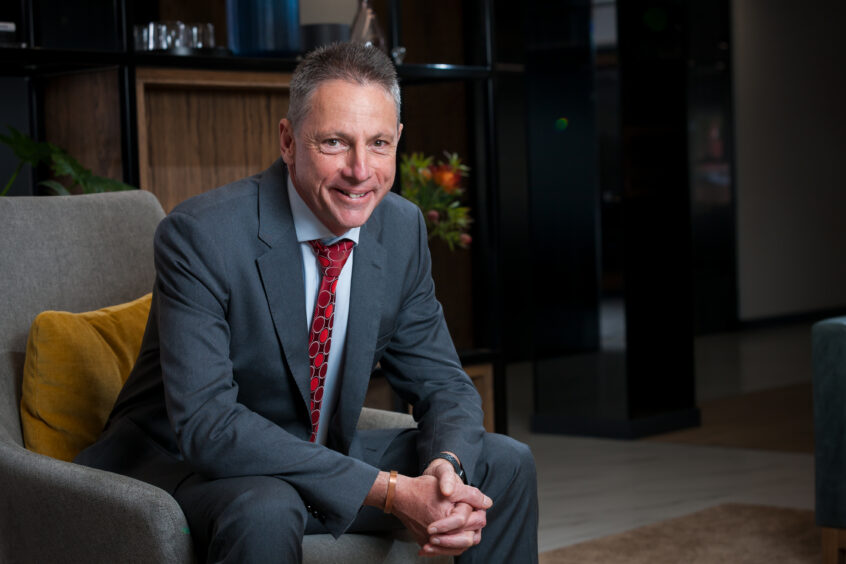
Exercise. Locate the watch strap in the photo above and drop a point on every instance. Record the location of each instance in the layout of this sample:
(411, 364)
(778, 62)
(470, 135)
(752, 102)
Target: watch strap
(456, 465)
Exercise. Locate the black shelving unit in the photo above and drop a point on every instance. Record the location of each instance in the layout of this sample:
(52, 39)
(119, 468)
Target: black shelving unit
(33, 64)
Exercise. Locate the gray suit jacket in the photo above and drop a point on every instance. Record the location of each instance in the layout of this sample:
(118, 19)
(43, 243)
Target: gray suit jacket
(221, 386)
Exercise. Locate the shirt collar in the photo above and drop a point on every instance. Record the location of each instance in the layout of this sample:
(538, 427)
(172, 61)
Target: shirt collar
(307, 225)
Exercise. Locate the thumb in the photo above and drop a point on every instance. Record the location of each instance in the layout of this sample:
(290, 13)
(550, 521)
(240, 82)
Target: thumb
(446, 479)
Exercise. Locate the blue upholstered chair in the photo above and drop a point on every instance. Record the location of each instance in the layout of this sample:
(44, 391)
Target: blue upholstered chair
(829, 361)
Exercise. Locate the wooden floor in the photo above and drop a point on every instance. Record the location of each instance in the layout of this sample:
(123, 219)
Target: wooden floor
(779, 419)
(755, 445)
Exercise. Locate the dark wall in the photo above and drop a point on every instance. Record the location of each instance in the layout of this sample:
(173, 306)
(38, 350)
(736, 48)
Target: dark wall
(14, 111)
(652, 48)
(562, 178)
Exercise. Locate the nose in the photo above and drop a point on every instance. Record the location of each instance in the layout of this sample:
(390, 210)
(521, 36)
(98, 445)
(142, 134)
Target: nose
(358, 168)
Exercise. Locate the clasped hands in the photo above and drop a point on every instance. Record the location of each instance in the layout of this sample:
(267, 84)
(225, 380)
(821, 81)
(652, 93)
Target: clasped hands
(445, 515)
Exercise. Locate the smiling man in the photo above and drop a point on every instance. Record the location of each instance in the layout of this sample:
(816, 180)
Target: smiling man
(275, 299)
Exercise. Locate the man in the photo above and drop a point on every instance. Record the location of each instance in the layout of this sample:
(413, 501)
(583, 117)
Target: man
(275, 298)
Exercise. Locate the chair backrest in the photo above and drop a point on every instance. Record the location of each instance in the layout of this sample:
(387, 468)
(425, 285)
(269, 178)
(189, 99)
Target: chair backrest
(69, 253)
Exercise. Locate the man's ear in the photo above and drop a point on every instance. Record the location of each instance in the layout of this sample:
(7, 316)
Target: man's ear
(286, 141)
(399, 132)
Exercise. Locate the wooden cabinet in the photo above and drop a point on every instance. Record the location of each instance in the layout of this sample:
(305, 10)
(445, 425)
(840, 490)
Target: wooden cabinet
(199, 129)
(380, 395)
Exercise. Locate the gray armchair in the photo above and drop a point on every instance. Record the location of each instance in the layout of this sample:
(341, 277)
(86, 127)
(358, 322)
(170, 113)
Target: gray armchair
(80, 253)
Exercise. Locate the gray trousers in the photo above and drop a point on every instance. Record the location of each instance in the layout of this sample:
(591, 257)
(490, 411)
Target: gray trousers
(262, 519)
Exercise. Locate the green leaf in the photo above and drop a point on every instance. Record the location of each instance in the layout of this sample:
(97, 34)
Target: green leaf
(61, 164)
(12, 179)
(26, 149)
(57, 188)
(97, 184)
(65, 165)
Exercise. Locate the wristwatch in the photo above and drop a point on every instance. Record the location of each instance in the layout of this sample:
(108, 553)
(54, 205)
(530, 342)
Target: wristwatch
(456, 465)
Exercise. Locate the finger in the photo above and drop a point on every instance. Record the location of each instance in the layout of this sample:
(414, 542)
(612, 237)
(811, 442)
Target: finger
(455, 521)
(472, 496)
(476, 521)
(462, 540)
(473, 521)
(436, 551)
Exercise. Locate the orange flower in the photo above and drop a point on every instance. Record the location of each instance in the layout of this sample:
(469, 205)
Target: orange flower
(425, 173)
(447, 178)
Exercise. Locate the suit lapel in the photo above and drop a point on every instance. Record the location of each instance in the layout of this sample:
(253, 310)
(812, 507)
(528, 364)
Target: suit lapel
(362, 330)
(281, 274)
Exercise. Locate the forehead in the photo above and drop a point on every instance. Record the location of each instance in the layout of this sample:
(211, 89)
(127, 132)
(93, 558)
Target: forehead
(345, 101)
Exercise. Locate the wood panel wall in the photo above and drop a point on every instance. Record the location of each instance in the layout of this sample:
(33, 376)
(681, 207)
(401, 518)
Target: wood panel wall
(435, 120)
(430, 32)
(201, 129)
(82, 116)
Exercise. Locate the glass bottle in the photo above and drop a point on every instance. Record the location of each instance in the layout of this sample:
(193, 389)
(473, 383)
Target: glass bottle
(365, 28)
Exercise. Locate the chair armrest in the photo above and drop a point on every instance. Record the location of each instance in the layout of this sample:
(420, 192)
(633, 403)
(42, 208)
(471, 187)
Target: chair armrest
(55, 511)
(829, 382)
(380, 419)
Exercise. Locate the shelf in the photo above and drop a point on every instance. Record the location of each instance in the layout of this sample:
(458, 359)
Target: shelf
(28, 60)
(36, 59)
(410, 74)
(213, 62)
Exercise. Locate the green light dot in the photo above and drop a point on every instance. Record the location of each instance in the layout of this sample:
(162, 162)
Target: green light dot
(561, 124)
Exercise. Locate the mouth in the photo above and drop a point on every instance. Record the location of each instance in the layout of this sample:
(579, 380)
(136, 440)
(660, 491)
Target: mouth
(353, 195)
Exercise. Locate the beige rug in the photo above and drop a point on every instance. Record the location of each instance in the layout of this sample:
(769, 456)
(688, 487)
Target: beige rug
(725, 534)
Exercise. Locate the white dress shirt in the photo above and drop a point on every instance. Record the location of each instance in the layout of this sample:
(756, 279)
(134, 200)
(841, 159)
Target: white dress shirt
(308, 228)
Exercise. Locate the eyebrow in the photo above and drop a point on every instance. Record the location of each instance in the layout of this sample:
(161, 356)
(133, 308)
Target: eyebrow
(341, 135)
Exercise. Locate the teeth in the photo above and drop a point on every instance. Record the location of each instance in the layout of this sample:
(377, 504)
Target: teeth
(354, 196)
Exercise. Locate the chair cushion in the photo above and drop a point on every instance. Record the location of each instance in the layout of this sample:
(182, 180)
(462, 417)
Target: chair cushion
(76, 364)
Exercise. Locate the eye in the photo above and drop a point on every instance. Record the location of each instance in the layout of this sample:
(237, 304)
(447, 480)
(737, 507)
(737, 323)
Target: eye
(381, 145)
(332, 145)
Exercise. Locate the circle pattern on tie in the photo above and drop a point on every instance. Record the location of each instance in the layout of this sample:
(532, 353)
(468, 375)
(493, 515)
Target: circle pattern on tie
(331, 260)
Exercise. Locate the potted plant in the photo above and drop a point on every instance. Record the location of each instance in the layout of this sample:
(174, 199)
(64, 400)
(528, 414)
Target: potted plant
(79, 179)
(436, 188)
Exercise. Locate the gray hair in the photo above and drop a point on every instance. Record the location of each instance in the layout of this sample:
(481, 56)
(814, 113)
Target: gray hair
(353, 62)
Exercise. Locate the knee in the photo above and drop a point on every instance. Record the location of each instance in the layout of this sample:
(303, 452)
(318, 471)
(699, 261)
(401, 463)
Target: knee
(507, 457)
(270, 507)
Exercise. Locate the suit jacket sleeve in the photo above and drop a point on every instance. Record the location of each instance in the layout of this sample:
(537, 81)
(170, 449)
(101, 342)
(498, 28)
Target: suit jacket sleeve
(216, 434)
(421, 364)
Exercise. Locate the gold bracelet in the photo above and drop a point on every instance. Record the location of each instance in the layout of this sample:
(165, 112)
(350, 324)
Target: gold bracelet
(392, 490)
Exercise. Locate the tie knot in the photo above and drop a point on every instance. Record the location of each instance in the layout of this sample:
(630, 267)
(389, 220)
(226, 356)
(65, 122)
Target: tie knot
(332, 257)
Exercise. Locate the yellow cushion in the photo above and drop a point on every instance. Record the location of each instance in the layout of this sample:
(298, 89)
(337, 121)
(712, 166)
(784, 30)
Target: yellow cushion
(76, 363)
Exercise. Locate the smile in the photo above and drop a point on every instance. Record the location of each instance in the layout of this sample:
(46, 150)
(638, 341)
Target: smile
(353, 196)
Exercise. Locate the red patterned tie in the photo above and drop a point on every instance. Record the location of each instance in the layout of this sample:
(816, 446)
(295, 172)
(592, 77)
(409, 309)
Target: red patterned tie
(331, 259)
